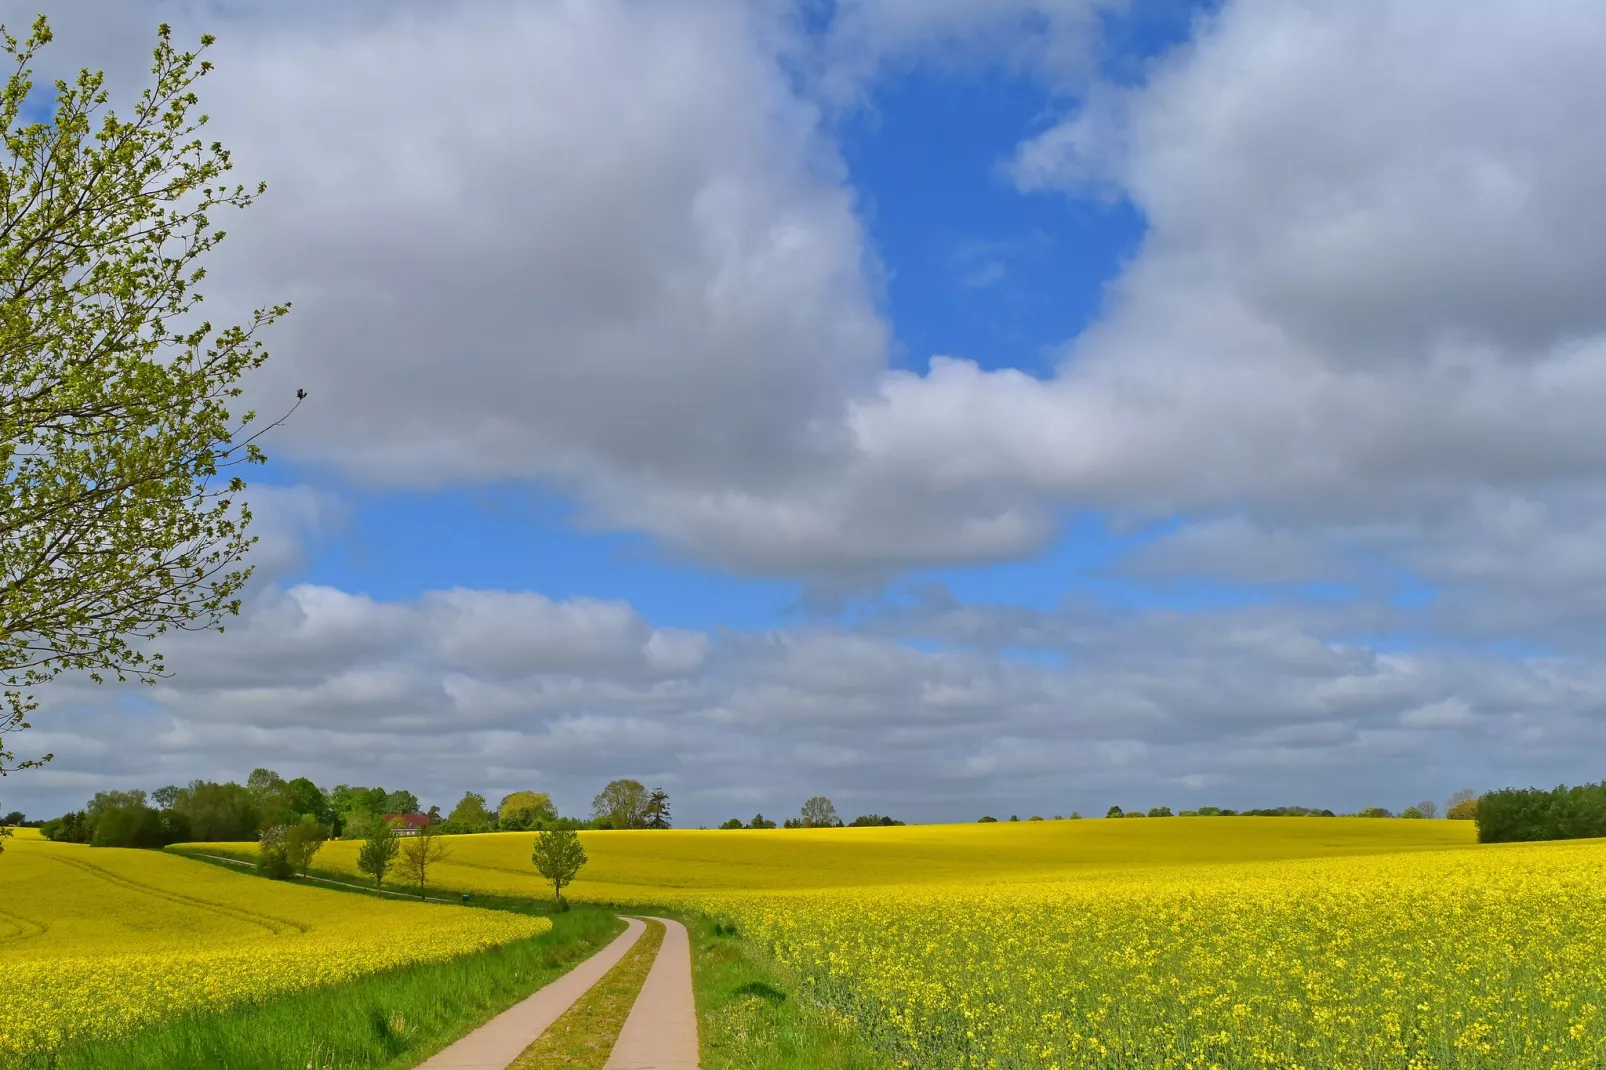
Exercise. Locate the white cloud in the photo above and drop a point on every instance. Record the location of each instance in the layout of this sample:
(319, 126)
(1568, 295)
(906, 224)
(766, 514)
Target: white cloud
(924, 714)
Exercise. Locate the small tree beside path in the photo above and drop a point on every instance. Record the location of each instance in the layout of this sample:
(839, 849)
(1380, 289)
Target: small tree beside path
(558, 855)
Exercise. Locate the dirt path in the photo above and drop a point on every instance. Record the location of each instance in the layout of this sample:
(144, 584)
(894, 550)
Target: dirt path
(661, 1032)
(502, 1039)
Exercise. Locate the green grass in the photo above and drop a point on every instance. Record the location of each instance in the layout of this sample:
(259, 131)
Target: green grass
(753, 1016)
(384, 1022)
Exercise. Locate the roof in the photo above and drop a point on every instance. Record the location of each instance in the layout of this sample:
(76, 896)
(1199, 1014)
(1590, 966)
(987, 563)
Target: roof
(410, 821)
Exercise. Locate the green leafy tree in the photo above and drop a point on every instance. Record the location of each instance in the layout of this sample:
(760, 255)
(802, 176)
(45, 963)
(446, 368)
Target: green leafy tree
(378, 852)
(470, 812)
(418, 853)
(558, 855)
(525, 810)
(1115, 811)
(819, 813)
(399, 802)
(302, 841)
(5, 834)
(218, 811)
(621, 805)
(302, 796)
(733, 823)
(120, 509)
(1463, 806)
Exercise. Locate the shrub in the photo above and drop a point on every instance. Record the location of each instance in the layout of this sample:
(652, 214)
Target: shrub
(1374, 811)
(1562, 813)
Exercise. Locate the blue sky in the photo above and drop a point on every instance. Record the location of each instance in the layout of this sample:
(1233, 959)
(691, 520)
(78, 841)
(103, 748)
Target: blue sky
(949, 407)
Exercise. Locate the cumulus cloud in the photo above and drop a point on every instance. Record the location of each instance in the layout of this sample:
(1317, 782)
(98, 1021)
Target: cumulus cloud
(929, 712)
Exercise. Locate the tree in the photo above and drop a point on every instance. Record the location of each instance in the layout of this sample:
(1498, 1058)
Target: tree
(302, 841)
(120, 517)
(558, 856)
(470, 811)
(399, 802)
(733, 823)
(760, 822)
(1160, 811)
(987, 820)
(657, 814)
(818, 813)
(5, 834)
(621, 805)
(378, 851)
(1115, 811)
(267, 790)
(74, 826)
(525, 810)
(1463, 806)
(15, 817)
(273, 858)
(1412, 813)
(1374, 811)
(1428, 809)
(302, 796)
(418, 853)
(218, 811)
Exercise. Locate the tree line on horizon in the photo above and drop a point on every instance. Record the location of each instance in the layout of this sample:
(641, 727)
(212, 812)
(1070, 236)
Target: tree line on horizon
(207, 811)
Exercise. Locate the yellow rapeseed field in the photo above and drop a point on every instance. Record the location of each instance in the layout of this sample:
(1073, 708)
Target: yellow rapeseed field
(99, 941)
(644, 866)
(1198, 943)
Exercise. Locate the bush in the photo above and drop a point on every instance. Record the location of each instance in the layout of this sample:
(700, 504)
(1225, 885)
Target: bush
(1374, 811)
(1523, 814)
(987, 821)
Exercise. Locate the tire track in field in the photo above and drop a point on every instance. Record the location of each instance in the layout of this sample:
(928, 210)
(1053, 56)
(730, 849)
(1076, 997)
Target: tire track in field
(275, 925)
(26, 928)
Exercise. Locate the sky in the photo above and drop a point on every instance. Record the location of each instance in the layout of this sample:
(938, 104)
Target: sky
(950, 407)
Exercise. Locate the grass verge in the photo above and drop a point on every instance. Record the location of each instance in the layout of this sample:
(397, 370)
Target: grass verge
(383, 1022)
(753, 1016)
(584, 1036)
